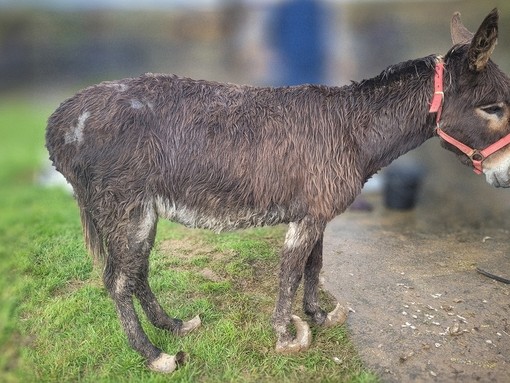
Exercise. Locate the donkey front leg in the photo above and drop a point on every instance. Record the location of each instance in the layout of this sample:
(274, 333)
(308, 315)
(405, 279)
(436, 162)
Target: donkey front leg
(311, 284)
(299, 242)
(311, 289)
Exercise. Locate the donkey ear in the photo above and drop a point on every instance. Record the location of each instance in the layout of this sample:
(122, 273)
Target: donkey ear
(460, 34)
(483, 42)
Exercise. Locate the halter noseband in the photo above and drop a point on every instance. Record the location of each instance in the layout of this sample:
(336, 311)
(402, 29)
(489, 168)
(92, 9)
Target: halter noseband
(476, 156)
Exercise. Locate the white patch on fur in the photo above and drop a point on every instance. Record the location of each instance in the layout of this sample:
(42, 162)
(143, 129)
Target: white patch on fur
(76, 132)
(170, 211)
(231, 220)
(115, 85)
(120, 283)
(293, 238)
(136, 104)
(146, 224)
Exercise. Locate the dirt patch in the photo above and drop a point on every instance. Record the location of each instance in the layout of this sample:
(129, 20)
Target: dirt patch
(210, 275)
(422, 312)
(186, 249)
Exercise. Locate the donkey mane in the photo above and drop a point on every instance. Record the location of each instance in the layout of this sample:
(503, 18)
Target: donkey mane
(400, 71)
(393, 111)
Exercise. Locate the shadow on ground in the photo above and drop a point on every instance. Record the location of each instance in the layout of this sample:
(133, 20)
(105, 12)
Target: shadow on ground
(422, 311)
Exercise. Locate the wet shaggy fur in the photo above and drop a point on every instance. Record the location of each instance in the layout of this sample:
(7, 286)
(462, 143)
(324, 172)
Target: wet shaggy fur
(224, 156)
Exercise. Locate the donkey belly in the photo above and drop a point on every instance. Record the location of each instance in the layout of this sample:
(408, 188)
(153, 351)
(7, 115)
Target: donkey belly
(219, 218)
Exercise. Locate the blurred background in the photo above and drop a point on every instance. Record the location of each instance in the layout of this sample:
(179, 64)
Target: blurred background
(62, 45)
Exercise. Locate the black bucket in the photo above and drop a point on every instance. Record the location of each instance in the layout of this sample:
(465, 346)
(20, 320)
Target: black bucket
(401, 186)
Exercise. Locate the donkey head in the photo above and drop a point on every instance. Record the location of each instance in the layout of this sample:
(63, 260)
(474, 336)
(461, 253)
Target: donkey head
(477, 100)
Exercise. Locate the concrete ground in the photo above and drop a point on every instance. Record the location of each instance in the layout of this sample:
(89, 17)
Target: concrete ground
(422, 312)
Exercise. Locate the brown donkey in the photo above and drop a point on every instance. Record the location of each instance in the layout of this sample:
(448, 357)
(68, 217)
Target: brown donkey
(224, 157)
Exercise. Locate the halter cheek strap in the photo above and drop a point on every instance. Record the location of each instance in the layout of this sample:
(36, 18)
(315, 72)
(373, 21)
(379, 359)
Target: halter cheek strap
(436, 105)
(476, 156)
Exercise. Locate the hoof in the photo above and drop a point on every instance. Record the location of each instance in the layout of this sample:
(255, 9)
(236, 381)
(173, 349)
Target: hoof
(301, 342)
(167, 364)
(190, 325)
(336, 317)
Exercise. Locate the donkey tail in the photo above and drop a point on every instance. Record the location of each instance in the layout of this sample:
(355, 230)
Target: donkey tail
(93, 237)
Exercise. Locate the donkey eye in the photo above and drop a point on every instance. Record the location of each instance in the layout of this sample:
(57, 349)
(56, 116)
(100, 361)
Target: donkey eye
(495, 109)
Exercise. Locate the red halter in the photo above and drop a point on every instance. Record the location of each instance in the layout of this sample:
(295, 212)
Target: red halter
(476, 156)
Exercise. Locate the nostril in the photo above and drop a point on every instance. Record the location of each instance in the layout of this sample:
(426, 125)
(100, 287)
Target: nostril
(500, 181)
(497, 182)
(491, 179)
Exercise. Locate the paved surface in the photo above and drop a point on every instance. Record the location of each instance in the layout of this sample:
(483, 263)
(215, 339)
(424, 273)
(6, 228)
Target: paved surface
(422, 311)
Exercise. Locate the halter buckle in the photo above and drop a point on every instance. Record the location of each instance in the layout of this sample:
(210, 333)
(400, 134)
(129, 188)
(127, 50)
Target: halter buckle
(476, 155)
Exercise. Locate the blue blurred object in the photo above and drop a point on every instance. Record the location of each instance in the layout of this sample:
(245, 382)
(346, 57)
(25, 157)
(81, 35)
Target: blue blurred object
(297, 33)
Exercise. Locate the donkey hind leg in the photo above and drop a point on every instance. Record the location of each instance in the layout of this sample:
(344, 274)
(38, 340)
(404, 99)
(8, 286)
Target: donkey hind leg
(119, 280)
(156, 314)
(145, 235)
(311, 286)
(160, 319)
(299, 241)
(125, 267)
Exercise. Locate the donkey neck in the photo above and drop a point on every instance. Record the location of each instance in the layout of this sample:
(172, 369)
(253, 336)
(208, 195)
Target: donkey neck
(392, 111)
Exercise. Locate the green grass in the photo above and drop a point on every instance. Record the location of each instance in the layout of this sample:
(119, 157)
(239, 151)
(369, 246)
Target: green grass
(57, 323)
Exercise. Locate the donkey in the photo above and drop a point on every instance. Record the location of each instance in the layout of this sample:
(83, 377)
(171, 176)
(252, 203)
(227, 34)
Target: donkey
(225, 157)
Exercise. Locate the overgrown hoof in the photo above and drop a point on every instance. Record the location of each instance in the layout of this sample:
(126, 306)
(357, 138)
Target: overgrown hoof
(302, 340)
(167, 364)
(336, 317)
(189, 326)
